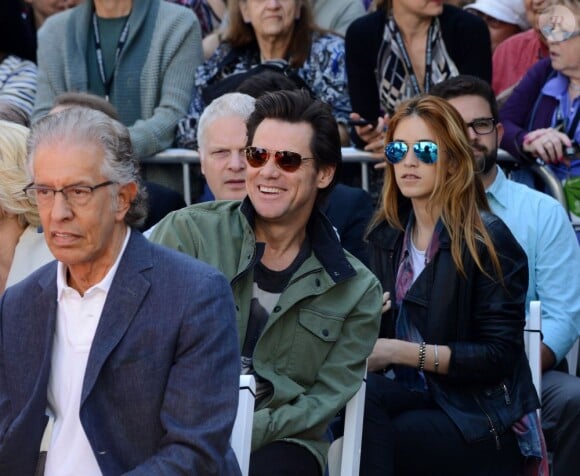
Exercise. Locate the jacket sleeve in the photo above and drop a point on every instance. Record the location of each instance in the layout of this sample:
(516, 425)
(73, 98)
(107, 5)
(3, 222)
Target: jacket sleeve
(4, 398)
(327, 74)
(182, 48)
(52, 70)
(516, 113)
(557, 262)
(362, 42)
(200, 400)
(467, 39)
(336, 381)
(497, 313)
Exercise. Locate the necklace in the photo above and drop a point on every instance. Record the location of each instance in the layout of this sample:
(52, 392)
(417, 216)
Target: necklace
(574, 87)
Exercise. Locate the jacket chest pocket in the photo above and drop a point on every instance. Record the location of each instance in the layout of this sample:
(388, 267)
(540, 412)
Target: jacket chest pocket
(314, 337)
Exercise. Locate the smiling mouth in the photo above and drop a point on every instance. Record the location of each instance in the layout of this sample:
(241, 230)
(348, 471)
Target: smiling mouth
(269, 190)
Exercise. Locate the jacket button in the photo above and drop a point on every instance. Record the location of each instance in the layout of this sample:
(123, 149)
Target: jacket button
(325, 332)
(317, 282)
(237, 308)
(277, 309)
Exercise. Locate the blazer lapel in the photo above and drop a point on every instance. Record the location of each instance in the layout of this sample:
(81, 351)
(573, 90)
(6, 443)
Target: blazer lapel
(128, 289)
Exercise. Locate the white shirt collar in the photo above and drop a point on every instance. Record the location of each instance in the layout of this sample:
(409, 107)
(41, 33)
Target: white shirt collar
(104, 284)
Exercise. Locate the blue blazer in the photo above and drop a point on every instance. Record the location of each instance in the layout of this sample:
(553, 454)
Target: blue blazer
(160, 390)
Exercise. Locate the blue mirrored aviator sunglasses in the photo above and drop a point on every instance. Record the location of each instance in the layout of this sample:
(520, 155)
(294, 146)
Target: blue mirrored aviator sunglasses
(425, 150)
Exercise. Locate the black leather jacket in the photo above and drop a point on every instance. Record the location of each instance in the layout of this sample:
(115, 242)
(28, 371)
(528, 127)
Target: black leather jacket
(489, 385)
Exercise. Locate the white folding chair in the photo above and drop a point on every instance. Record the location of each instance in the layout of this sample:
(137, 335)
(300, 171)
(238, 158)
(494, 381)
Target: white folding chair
(344, 452)
(241, 439)
(533, 341)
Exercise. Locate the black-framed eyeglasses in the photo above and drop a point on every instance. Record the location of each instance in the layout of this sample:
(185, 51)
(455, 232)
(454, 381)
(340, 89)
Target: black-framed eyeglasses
(286, 160)
(551, 33)
(482, 125)
(425, 150)
(75, 195)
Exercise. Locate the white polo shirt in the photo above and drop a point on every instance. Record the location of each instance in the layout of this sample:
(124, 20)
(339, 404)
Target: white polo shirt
(70, 453)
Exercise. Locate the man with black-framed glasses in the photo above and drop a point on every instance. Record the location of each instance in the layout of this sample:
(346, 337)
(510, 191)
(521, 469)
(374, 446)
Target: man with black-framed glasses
(308, 312)
(108, 341)
(540, 225)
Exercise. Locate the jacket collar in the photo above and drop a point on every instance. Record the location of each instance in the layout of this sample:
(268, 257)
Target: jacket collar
(323, 238)
(388, 238)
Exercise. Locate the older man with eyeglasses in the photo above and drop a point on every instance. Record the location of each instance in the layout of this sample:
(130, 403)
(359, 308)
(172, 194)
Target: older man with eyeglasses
(122, 342)
(308, 312)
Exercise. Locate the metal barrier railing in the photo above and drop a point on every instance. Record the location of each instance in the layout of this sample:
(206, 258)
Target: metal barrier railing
(187, 157)
(544, 173)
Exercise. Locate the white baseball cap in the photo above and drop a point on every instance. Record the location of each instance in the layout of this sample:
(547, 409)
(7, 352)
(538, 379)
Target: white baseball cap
(508, 11)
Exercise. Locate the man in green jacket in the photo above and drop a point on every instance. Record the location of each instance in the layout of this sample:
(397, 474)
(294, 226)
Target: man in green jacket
(307, 311)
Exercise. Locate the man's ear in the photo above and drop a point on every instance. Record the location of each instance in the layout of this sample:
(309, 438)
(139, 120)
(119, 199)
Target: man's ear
(325, 176)
(500, 130)
(125, 197)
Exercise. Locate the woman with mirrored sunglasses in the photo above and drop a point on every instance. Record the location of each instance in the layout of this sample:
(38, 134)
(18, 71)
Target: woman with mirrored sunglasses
(542, 116)
(449, 390)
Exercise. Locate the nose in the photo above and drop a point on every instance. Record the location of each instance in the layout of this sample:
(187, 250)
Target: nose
(237, 160)
(60, 210)
(270, 168)
(471, 134)
(410, 159)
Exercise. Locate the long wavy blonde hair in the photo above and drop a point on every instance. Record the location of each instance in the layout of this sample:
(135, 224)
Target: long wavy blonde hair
(458, 193)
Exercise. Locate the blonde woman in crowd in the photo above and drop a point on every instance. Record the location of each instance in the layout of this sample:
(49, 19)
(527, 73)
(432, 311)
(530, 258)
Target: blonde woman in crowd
(23, 246)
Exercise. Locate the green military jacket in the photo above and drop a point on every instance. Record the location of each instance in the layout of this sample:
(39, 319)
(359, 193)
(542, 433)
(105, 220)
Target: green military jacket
(314, 346)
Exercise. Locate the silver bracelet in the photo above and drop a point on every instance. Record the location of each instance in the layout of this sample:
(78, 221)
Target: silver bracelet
(436, 363)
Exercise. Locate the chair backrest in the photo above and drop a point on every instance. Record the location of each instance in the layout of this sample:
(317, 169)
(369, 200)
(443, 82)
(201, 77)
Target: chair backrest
(344, 452)
(241, 439)
(533, 342)
(572, 358)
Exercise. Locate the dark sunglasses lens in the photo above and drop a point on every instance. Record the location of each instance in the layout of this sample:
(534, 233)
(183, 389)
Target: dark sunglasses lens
(426, 151)
(256, 156)
(288, 161)
(396, 151)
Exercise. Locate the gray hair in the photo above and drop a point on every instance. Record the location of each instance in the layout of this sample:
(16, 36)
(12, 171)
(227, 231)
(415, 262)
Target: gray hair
(227, 105)
(88, 125)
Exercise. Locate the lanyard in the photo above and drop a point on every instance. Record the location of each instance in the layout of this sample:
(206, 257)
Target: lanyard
(409, 66)
(108, 83)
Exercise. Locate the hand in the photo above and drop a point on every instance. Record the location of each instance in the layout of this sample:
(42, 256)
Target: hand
(374, 136)
(386, 301)
(382, 354)
(547, 144)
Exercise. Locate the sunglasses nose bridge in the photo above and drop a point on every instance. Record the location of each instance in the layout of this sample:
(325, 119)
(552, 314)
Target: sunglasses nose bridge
(271, 166)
